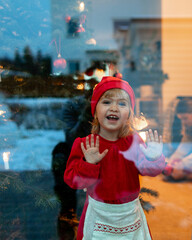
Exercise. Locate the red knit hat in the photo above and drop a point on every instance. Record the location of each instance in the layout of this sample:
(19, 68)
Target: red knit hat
(110, 83)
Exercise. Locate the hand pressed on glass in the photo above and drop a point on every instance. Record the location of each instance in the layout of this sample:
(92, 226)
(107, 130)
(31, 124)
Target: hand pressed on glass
(154, 145)
(91, 150)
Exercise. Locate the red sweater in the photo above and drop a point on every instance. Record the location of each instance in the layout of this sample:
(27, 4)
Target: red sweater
(115, 179)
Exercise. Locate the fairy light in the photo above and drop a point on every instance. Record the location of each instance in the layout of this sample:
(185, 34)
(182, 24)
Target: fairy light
(1, 71)
(6, 159)
(80, 86)
(81, 6)
(2, 112)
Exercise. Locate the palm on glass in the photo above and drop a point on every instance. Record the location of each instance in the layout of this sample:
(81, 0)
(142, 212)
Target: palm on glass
(154, 145)
(91, 150)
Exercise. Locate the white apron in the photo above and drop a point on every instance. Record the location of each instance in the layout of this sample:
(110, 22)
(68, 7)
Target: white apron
(125, 221)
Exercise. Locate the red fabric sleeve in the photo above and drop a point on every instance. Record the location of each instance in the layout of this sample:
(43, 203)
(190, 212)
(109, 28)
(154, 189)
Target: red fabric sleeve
(80, 174)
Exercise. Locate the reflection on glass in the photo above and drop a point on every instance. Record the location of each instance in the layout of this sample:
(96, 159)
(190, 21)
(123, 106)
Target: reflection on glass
(179, 165)
(52, 54)
(6, 160)
(81, 6)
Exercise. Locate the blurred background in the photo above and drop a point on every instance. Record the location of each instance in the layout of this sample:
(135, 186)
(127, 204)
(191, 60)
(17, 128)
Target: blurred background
(52, 53)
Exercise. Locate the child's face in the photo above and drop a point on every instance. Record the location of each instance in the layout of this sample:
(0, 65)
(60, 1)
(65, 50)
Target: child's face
(112, 112)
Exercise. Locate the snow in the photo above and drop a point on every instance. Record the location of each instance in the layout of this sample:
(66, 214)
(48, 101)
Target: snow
(22, 148)
(33, 150)
(34, 102)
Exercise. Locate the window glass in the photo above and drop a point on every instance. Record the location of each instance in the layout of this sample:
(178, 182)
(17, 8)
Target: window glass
(52, 56)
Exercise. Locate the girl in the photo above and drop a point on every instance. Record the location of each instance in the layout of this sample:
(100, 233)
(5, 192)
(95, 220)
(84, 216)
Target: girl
(108, 163)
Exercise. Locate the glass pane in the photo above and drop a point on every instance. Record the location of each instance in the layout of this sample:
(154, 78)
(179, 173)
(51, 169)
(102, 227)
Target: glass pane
(53, 54)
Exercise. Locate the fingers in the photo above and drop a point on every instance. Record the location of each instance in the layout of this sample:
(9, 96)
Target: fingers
(87, 142)
(160, 139)
(156, 136)
(90, 144)
(83, 148)
(97, 142)
(150, 137)
(102, 155)
(92, 140)
(147, 136)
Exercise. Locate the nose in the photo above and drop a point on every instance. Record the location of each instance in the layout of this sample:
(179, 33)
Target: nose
(114, 107)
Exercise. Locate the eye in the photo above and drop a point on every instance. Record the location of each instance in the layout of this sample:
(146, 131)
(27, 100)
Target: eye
(106, 102)
(122, 103)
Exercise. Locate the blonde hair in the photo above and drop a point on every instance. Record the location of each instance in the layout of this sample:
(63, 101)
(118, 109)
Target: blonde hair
(128, 128)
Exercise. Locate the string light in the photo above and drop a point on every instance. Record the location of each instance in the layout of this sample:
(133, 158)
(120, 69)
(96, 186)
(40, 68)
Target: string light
(80, 86)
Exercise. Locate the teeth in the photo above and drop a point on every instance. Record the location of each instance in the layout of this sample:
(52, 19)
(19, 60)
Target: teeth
(112, 117)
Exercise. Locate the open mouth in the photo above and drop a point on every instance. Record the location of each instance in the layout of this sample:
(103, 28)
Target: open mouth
(112, 117)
